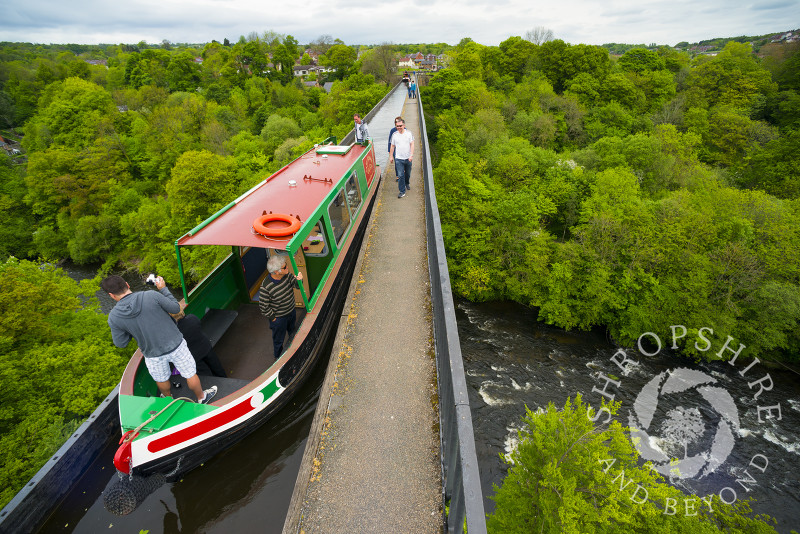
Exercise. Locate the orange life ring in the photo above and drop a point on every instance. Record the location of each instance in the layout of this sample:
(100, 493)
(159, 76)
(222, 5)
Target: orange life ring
(259, 225)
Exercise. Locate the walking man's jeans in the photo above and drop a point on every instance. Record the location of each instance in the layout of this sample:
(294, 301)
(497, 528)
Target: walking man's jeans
(402, 167)
(280, 327)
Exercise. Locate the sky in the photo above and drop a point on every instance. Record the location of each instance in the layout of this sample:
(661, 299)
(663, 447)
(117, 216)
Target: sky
(410, 21)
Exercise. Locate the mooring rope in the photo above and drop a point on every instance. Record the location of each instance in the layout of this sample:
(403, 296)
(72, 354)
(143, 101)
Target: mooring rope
(136, 430)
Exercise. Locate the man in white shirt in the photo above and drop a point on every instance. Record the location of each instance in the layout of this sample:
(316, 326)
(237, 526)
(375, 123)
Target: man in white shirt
(402, 151)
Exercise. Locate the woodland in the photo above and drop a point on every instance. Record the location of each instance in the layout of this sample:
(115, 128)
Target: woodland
(630, 191)
(124, 149)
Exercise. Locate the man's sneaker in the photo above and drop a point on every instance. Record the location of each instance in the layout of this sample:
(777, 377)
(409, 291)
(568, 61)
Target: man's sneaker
(401, 195)
(408, 187)
(210, 392)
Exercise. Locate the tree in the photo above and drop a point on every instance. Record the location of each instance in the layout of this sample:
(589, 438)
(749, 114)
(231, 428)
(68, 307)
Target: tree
(641, 60)
(282, 57)
(183, 74)
(201, 184)
(57, 363)
(381, 62)
(567, 475)
(321, 44)
(16, 220)
(539, 35)
(517, 57)
(69, 115)
(341, 57)
(468, 60)
(277, 129)
(733, 78)
(292, 47)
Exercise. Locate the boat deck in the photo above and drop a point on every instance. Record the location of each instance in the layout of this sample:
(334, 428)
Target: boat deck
(244, 349)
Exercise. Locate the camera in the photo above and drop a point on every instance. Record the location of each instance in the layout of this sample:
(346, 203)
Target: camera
(151, 280)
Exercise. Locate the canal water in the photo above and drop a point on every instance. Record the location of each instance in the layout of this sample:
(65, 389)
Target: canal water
(246, 488)
(512, 361)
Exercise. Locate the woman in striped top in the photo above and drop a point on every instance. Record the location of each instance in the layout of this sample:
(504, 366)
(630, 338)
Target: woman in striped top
(276, 300)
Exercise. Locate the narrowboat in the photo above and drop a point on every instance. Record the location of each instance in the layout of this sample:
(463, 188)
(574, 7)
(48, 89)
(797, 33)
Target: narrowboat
(314, 212)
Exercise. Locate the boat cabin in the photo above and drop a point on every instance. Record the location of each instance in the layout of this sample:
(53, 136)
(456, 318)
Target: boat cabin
(309, 212)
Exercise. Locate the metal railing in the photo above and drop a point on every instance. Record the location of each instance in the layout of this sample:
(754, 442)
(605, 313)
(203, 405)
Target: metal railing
(461, 482)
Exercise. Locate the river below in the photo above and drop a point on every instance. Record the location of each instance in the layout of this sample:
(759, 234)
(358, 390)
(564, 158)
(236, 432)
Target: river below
(513, 361)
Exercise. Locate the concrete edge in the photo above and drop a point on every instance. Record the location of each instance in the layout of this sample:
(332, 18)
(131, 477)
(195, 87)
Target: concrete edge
(293, 517)
(30, 508)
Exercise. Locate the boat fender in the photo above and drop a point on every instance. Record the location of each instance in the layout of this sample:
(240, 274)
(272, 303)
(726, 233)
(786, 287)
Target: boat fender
(127, 493)
(259, 225)
(122, 458)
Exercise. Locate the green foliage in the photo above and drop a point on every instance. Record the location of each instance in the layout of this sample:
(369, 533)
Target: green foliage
(341, 57)
(605, 194)
(16, 221)
(277, 129)
(57, 362)
(103, 145)
(200, 185)
(69, 114)
(567, 475)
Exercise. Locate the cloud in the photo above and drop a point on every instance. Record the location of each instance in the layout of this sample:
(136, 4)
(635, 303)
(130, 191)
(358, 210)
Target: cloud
(415, 21)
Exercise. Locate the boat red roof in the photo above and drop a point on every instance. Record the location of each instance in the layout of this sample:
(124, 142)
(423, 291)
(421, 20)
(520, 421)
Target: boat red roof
(314, 175)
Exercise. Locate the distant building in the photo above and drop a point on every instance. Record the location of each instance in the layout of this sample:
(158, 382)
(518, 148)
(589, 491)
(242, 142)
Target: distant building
(305, 70)
(420, 61)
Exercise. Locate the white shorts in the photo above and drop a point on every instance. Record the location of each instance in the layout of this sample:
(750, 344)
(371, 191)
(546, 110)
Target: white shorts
(180, 357)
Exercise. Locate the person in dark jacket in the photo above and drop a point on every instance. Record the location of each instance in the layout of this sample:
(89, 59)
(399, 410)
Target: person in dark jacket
(199, 345)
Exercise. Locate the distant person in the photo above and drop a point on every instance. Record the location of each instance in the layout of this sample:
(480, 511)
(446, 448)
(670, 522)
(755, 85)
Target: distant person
(199, 345)
(401, 149)
(413, 89)
(144, 316)
(362, 132)
(409, 85)
(276, 300)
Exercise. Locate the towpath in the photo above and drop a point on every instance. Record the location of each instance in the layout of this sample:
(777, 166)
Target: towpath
(372, 459)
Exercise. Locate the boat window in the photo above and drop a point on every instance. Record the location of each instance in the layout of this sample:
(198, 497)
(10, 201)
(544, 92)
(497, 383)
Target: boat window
(353, 194)
(317, 259)
(314, 244)
(340, 217)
